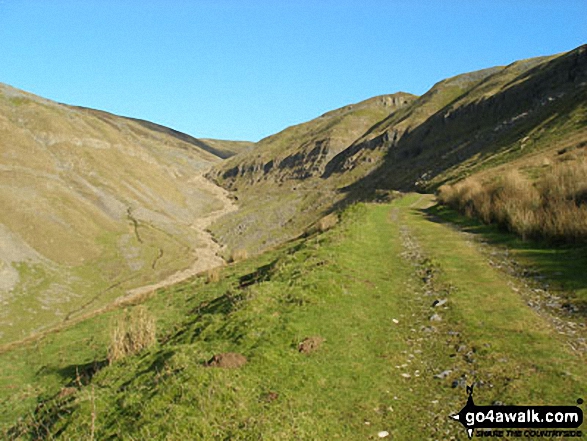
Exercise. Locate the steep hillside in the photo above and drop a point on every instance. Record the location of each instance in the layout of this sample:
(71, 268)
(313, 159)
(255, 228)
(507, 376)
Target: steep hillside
(278, 184)
(464, 124)
(500, 115)
(92, 204)
(302, 151)
(218, 147)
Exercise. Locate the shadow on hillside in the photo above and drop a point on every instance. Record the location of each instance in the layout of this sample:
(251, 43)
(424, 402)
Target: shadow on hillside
(222, 305)
(559, 267)
(478, 128)
(76, 375)
(259, 275)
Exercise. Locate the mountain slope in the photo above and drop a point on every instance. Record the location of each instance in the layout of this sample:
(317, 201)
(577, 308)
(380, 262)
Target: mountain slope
(221, 148)
(464, 124)
(278, 184)
(302, 151)
(528, 106)
(92, 204)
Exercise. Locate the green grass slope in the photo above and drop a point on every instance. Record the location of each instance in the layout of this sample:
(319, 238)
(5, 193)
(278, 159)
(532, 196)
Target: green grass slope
(403, 310)
(92, 204)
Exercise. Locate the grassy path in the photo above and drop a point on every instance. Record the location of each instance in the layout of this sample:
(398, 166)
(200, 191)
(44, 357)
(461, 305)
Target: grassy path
(404, 311)
(518, 350)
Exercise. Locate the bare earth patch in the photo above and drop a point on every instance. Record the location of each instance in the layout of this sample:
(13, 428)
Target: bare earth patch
(228, 360)
(310, 344)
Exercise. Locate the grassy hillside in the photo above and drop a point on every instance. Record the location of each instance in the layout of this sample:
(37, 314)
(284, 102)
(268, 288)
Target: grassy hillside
(278, 184)
(531, 106)
(302, 151)
(372, 318)
(463, 125)
(92, 205)
(226, 149)
(376, 325)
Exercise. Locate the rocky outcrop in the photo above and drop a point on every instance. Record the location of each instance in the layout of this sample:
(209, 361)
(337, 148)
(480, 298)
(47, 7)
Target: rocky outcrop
(303, 151)
(493, 110)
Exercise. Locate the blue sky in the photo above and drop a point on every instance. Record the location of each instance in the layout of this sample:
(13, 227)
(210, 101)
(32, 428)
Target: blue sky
(245, 69)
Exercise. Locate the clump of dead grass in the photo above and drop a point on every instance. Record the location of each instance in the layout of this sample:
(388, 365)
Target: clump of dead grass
(213, 275)
(327, 222)
(238, 255)
(553, 207)
(132, 333)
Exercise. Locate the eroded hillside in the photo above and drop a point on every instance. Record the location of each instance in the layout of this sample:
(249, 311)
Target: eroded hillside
(279, 185)
(464, 124)
(92, 204)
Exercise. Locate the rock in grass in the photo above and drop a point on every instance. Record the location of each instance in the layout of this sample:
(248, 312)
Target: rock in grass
(437, 303)
(443, 374)
(229, 360)
(269, 397)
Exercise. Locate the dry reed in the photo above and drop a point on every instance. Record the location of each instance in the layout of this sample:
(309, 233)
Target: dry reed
(554, 207)
(238, 255)
(132, 333)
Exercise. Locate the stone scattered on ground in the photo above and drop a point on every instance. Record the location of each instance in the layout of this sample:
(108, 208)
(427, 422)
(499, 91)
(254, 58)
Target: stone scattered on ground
(435, 318)
(443, 374)
(437, 303)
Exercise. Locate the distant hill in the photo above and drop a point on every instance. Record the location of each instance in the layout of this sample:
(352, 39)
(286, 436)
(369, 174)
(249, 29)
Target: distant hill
(462, 125)
(92, 204)
(304, 150)
(279, 184)
(478, 121)
(221, 148)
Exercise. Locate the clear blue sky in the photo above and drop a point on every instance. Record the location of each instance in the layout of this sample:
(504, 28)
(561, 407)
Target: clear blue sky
(244, 69)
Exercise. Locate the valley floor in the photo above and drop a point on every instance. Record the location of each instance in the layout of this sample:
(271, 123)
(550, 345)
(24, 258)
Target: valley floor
(205, 256)
(208, 255)
(376, 325)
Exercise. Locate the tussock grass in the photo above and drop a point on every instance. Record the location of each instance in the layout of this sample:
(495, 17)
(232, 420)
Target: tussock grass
(213, 275)
(239, 255)
(323, 224)
(132, 333)
(553, 207)
(327, 222)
